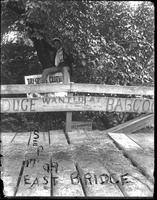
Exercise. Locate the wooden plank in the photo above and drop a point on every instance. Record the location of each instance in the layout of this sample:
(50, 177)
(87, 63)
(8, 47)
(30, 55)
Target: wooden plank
(12, 167)
(93, 173)
(124, 141)
(7, 137)
(143, 160)
(39, 138)
(112, 89)
(77, 87)
(61, 154)
(21, 137)
(145, 140)
(99, 152)
(35, 180)
(82, 125)
(39, 88)
(77, 103)
(133, 125)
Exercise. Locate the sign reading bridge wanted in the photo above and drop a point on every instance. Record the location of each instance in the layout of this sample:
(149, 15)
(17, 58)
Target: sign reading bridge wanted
(35, 79)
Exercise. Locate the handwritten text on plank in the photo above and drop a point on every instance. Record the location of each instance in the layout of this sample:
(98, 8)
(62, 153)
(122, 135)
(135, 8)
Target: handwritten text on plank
(89, 178)
(77, 103)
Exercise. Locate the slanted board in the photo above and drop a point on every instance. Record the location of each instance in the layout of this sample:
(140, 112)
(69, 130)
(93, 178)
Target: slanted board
(35, 79)
(133, 125)
(77, 103)
(142, 159)
(13, 156)
(145, 140)
(61, 155)
(81, 125)
(124, 141)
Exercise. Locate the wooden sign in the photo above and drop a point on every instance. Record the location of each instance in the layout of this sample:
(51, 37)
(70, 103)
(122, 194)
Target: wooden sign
(35, 79)
(77, 103)
(81, 125)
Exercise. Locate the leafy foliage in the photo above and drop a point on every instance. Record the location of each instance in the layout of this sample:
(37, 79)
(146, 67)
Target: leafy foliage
(115, 41)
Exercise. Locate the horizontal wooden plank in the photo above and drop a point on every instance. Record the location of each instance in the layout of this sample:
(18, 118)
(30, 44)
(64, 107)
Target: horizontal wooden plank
(77, 103)
(77, 87)
(39, 88)
(112, 89)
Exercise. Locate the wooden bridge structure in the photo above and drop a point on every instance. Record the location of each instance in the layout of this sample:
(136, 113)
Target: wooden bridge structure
(112, 162)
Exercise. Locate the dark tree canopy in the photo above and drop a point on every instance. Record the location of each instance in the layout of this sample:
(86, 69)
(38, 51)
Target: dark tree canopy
(116, 40)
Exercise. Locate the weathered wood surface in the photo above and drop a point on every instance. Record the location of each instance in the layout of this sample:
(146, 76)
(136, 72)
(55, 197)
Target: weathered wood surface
(81, 125)
(134, 124)
(146, 140)
(61, 154)
(94, 150)
(35, 180)
(142, 159)
(77, 103)
(96, 158)
(77, 87)
(13, 157)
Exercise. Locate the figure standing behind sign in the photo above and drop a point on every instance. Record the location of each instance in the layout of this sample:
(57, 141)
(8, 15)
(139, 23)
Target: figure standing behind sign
(63, 58)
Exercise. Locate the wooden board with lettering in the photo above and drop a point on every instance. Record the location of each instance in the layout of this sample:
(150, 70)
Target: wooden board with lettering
(35, 180)
(77, 103)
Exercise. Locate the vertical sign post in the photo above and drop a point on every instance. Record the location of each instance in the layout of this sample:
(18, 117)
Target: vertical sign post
(66, 80)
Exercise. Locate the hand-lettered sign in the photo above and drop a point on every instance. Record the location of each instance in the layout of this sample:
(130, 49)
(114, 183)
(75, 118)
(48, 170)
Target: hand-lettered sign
(77, 103)
(35, 79)
(81, 125)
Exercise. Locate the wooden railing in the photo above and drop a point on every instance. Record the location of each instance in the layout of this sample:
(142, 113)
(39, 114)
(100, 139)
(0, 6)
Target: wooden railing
(86, 102)
(78, 103)
(77, 87)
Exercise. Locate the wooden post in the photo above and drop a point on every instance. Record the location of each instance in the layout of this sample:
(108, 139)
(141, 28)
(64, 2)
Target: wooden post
(66, 80)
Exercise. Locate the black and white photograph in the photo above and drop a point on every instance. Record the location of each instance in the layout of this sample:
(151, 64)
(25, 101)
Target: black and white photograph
(77, 99)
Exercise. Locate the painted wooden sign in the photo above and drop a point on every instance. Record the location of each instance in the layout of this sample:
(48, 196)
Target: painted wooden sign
(81, 125)
(35, 79)
(77, 103)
